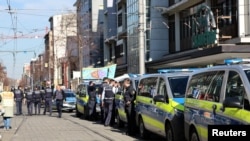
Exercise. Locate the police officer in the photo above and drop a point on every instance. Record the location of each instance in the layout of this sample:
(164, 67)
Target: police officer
(29, 101)
(108, 97)
(48, 95)
(92, 100)
(59, 96)
(104, 84)
(18, 97)
(37, 100)
(129, 98)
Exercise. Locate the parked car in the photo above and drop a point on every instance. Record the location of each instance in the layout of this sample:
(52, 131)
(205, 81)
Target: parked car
(69, 104)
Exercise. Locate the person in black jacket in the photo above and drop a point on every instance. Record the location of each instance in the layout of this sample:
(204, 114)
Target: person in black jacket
(59, 96)
(37, 100)
(129, 98)
(29, 96)
(47, 97)
(18, 97)
(92, 100)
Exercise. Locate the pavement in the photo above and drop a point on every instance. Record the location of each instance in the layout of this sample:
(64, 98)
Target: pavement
(68, 128)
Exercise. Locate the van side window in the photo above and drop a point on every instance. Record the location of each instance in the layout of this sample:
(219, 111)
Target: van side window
(206, 86)
(162, 88)
(235, 86)
(147, 87)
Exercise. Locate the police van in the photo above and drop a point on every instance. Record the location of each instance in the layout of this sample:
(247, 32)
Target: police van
(217, 95)
(82, 98)
(120, 115)
(159, 104)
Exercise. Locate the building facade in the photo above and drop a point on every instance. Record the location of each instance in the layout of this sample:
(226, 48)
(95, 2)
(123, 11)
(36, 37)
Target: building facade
(62, 26)
(90, 32)
(204, 33)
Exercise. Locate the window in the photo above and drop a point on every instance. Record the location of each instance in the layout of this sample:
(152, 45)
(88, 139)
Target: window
(162, 90)
(234, 86)
(178, 86)
(206, 86)
(147, 87)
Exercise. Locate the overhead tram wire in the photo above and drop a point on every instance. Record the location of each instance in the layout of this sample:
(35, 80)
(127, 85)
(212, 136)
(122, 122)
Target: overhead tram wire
(14, 25)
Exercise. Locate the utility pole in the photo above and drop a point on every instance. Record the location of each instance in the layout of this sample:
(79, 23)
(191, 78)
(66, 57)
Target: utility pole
(141, 37)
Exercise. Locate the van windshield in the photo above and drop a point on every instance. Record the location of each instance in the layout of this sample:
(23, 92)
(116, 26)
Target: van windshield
(178, 86)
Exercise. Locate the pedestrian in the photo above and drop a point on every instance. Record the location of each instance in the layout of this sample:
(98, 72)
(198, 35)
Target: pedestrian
(48, 96)
(59, 96)
(37, 100)
(115, 90)
(29, 98)
(129, 98)
(104, 84)
(18, 97)
(92, 100)
(7, 103)
(108, 97)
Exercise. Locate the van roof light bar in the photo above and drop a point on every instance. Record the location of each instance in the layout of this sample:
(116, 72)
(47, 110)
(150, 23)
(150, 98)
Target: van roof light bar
(176, 70)
(236, 61)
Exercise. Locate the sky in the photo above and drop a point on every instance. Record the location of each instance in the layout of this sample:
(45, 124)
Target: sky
(29, 21)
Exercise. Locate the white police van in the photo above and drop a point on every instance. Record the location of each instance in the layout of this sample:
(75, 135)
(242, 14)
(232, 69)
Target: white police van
(159, 103)
(217, 95)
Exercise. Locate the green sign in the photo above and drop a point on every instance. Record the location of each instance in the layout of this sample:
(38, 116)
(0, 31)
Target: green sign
(204, 28)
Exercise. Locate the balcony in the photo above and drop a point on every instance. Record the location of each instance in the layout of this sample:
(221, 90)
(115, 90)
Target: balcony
(179, 6)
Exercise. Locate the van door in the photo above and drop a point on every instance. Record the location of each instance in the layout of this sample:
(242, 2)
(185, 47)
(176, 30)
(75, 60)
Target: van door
(235, 109)
(144, 101)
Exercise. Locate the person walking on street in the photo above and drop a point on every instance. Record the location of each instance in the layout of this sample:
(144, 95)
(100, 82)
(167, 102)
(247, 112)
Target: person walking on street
(92, 100)
(59, 96)
(37, 100)
(7, 103)
(29, 98)
(108, 97)
(18, 97)
(129, 98)
(48, 95)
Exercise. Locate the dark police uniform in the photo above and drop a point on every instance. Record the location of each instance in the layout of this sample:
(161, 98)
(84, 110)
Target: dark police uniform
(108, 104)
(29, 101)
(18, 96)
(48, 95)
(37, 100)
(100, 91)
(92, 102)
(129, 98)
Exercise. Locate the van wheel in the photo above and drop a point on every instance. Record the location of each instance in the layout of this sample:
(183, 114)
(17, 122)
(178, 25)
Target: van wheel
(143, 131)
(78, 114)
(194, 136)
(119, 122)
(169, 133)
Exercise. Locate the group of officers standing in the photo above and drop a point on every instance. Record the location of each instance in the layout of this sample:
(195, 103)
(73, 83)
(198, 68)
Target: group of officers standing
(107, 93)
(35, 98)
